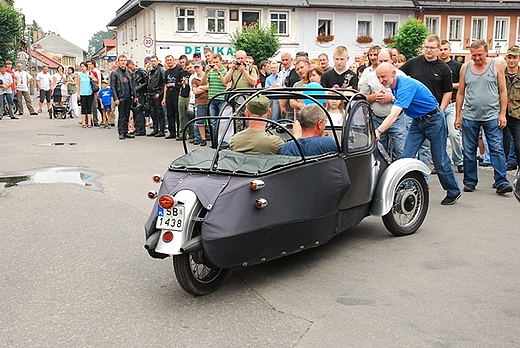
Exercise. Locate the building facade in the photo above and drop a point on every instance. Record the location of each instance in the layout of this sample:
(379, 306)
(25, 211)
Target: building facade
(166, 27)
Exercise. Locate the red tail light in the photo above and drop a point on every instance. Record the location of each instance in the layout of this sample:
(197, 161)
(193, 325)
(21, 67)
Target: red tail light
(152, 194)
(166, 201)
(157, 178)
(167, 237)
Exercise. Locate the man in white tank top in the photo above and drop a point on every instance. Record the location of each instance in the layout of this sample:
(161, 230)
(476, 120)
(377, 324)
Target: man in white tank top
(482, 90)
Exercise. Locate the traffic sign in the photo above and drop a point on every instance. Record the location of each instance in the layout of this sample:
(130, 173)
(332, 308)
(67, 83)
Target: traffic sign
(148, 42)
(148, 51)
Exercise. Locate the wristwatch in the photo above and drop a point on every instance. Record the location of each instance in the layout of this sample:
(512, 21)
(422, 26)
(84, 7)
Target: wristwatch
(379, 130)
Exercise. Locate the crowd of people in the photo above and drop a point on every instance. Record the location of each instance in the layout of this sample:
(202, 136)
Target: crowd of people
(416, 105)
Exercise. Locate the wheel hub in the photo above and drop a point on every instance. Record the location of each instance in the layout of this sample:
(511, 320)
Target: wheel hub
(407, 202)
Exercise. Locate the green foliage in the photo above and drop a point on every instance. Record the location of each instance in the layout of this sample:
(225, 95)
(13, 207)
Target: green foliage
(11, 31)
(96, 42)
(261, 43)
(410, 37)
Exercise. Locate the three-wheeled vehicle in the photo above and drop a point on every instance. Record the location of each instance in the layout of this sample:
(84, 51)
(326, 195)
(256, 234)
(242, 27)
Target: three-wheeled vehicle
(217, 209)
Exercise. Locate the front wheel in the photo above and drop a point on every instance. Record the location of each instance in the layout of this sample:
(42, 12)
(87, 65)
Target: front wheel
(193, 272)
(410, 205)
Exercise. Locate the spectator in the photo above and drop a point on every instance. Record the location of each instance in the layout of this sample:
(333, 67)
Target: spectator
(105, 96)
(6, 81)
(264, 72)
(155, 92)
(324, 62)
(85, 94)
(513, 110)
(312, 122)
(184, 99)
(483, 91)
(44, 84)
(240, 74)
(72, 90)
(340, 75)
(122, 87)
(140, 81)
(22, 81)
(170, 98)
(201, 103)
(254, 139)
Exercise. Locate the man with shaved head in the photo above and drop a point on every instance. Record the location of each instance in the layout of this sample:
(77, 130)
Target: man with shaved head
(416, 100)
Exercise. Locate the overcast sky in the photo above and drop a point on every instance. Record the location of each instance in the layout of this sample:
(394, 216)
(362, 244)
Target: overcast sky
(75, 21)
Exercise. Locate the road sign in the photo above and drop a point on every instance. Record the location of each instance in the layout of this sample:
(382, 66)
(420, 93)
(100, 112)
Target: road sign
(148, 42)
(148, 51)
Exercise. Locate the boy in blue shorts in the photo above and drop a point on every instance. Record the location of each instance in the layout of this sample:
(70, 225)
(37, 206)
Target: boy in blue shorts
(105, 97)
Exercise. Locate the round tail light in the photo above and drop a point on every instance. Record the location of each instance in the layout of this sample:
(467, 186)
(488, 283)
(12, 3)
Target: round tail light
(157, 178)
(167, 236)
(152, 194)
(166, 201)
(261, 203)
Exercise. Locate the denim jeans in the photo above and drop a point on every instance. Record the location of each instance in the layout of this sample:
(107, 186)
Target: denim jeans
(494, 138)
(200, 111)
(9, 99)
(214, 110)
(424, 155)
(275, 110)
(513, 127)
(453, 135)
(396, 134)
(433, 129)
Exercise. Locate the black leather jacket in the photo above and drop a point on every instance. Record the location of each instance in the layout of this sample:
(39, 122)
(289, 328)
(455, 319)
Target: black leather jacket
(140, 77)
(156, 80)
(116, 83)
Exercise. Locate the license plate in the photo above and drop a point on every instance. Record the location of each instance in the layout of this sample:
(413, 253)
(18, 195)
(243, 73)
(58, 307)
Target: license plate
(170, 219)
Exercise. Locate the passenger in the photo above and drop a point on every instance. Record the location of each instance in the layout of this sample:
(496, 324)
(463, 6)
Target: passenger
(312, 123)
(254, 139)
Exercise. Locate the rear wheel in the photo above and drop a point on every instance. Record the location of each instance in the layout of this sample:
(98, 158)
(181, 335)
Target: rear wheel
(193, 272)
(410, 205)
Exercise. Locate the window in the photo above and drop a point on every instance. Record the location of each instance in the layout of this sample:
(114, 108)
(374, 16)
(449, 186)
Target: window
(455, 27)
(325, 23)
(501, 28)
(432, 23)
(478, 28)
(364, 24)
(280, 20)
(518, 32)
(391, 23)
(185, 19)
(216, 20)
(250, 18)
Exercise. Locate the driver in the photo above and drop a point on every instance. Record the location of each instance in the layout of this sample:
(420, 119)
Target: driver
(254, 139)
(312, 122)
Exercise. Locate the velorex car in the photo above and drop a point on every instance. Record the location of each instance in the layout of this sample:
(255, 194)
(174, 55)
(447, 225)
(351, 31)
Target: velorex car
(217, 209)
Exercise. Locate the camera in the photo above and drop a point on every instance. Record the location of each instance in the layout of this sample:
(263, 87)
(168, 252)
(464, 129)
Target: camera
(212, 66)
(238, 63)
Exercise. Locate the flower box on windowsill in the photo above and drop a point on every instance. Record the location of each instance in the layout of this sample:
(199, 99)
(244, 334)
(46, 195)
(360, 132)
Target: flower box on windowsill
(388, 40)
(324, 38)
(364, 39)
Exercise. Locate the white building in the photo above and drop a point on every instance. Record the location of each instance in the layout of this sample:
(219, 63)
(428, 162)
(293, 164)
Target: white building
(174, 27)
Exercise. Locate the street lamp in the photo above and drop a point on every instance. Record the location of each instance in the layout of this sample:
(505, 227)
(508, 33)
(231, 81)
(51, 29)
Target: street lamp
(497, 49)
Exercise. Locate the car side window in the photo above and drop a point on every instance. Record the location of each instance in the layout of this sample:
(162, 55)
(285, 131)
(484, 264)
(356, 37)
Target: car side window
(358, 137)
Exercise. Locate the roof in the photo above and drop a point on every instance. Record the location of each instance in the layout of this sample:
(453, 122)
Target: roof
(109, 43)
(474, 5)
(51, 63)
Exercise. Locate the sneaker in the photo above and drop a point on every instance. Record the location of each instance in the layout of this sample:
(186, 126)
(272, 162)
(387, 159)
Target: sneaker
(450, 200)
(460, 168)
(203, 143)
(504, 188)
(434, 171)
(196, 142)
(469, 188)
(511, 166)
(485, 164)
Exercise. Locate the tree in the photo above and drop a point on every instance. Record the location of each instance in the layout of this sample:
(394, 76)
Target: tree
(261, 43)
(96, 42)
(410, 37)
(11, 31)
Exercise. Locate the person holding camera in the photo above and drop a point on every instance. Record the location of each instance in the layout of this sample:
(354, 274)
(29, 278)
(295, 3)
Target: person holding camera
(240, 75)
(5, 92)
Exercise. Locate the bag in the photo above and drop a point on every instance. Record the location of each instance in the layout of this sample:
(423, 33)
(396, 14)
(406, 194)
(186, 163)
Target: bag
(94, 86)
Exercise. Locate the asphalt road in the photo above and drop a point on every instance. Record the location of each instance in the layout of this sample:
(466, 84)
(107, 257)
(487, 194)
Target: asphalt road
(73, 270)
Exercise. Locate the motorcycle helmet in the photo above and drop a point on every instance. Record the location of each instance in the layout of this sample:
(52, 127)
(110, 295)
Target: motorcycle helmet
(516, 185)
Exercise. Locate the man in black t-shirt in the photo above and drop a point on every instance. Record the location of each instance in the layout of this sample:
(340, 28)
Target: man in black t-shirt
(341, 75)
(184, 99)
(172, 86)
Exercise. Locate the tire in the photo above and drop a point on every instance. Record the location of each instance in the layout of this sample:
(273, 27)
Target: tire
(14, 106)
(193, 273)
(410, 205)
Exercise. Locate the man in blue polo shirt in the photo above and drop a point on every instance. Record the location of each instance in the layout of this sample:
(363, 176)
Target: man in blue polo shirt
(416, 100)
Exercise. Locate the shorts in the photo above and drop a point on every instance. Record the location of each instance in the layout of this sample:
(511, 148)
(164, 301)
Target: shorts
(201, 111)
(107, 108)
(45, 95)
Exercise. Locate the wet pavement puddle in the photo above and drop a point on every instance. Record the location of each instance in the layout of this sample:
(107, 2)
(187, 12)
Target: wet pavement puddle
(54, 175)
